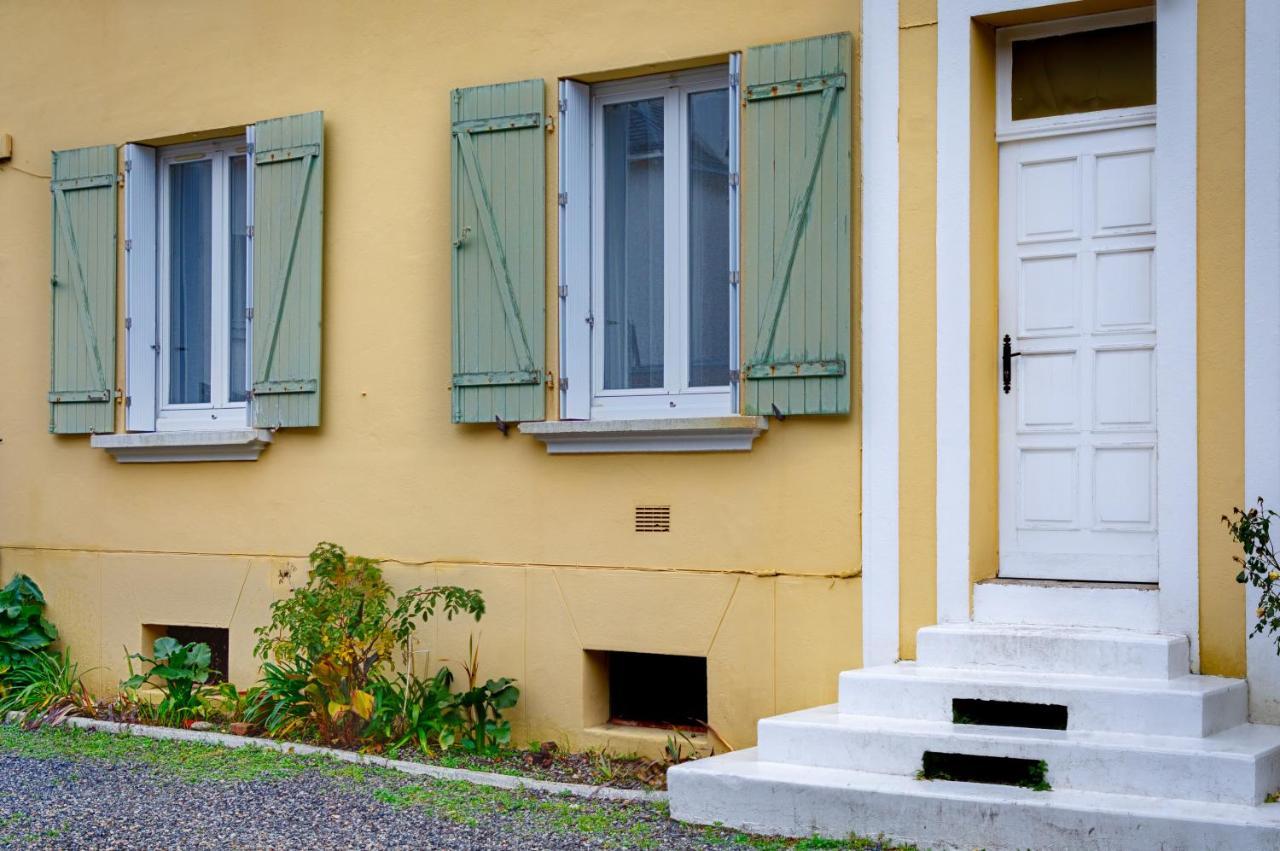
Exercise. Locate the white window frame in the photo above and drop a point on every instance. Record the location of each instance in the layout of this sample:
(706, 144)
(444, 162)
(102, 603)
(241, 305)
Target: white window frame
(219, 413)
(1008, 130)
(582, 264)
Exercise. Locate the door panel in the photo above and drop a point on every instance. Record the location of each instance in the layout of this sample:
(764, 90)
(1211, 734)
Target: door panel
(1077, 296)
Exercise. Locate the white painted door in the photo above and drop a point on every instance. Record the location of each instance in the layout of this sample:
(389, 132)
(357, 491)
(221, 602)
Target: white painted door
(1078, 286)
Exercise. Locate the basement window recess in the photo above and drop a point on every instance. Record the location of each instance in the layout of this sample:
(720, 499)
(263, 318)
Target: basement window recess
(654, 690)
(218, 639)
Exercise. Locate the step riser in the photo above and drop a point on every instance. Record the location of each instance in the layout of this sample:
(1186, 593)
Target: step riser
(726, 790)
(1109, 608)
(1072, 765)
(1153, 713)
(1035, 651)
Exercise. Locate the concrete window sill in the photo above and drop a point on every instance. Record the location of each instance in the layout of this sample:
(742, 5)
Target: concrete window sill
(692, 434)
(241, 444)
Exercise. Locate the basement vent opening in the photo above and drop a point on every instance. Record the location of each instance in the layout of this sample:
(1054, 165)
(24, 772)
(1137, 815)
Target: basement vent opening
(1000, 770)
(657, 690)
(216, 637)
(1009, 713)
(653, 518)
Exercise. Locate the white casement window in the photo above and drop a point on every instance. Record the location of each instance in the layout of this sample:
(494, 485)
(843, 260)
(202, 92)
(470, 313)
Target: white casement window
(198, 317)
(648, 246)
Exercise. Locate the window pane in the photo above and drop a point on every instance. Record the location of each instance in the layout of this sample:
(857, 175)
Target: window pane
(236, 279)
(709, 238)
(190, 281)
(1084, 71)
(633, 249)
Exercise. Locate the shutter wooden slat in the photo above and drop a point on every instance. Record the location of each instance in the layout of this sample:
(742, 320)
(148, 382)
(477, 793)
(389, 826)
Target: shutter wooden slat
(798, 153)
(288, 215)
(499, 297)
(83, 284)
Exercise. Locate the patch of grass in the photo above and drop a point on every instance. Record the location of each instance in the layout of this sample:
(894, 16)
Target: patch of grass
(187, 761)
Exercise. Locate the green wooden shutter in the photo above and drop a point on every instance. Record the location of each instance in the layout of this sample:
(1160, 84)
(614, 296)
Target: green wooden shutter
(83, 355)
(288, 229)
(797, 156)
(499, 295)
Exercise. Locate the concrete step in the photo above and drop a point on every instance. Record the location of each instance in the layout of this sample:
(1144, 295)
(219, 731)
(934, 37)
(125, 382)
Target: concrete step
(1084, 604)
(1054, 650)
(742, 791)
(1238, 766)
(1192, 706)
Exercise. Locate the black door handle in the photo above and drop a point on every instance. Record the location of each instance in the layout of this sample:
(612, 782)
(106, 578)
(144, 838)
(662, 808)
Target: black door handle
(1006, 361)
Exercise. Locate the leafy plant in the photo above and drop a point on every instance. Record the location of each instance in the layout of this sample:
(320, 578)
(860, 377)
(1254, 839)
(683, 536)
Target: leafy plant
(484, 729)
(409, 710)
(343, 627)
(227, 703)
(179, 671)
(281, 705)
(44, 688)
(23, 628)
(1258, 565)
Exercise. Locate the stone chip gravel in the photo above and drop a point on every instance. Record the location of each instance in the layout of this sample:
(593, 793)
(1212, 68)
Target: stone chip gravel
(68, 803)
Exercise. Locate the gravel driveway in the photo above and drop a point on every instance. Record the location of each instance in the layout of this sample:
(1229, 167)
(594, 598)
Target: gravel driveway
(71, 789)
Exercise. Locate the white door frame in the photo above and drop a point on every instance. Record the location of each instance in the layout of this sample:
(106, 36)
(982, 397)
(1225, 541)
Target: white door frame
(1175, 309)
(1261, 312)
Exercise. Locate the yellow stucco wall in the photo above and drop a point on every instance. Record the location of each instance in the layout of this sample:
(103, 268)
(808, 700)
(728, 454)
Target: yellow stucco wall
(760, 569)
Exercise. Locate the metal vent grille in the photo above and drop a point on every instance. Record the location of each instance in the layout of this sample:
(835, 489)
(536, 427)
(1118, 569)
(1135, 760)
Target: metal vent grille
(653, 518)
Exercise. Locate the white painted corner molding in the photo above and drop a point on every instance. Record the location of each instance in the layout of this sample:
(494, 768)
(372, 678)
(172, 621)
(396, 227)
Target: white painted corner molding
(879, 331)
(677, 434)
(242, 444)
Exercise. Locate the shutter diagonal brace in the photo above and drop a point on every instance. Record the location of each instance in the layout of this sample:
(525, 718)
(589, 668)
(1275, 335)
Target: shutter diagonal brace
(759, 366)
(497, 258)
(264, 385)
(82, 294)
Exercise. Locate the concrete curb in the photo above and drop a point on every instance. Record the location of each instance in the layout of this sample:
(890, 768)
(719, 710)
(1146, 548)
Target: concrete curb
(436, 772)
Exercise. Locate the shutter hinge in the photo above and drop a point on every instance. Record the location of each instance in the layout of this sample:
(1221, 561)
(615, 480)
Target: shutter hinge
(249, 149)
(128, 400)
(128, 322)
(563, 105)
(734, 179)
(735, 278)
(734, 79)
(248, 313)
(128, 166)
(563, 291)
(591, 321)
(563, 198)
(128, 245)
(735, 375)
(564, 383)
(248, 231)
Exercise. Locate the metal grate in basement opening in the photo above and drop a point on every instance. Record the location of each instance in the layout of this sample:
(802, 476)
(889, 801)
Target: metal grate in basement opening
(653, 518)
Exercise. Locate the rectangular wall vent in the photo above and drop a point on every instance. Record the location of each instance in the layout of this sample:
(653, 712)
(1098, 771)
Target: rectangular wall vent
(653, 518)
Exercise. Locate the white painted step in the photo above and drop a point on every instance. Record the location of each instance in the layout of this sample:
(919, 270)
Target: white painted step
(1192, 706)
(743, 792)
(1084, 604)
(1054, 650)
(1239, 766)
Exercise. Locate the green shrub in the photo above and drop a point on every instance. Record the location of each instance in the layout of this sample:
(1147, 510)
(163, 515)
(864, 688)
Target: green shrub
(45, 687)
(409, 710)
(1258, 566)
(332, 637)
(179, 671)
(23, 628)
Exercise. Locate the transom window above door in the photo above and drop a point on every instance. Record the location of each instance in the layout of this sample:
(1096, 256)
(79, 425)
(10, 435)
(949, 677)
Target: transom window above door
(202, 284)
(661, 247)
